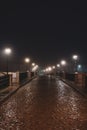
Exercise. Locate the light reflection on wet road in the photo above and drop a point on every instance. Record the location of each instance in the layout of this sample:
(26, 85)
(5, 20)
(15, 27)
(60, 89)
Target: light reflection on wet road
(44, 104)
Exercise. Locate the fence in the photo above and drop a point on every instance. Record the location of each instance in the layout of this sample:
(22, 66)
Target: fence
(4, 81)
(23, 76)
(70, 77)
(80, 79)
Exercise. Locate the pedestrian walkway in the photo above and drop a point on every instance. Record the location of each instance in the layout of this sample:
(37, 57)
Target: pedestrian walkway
(8, 91)
(83, 92)
(44, 104)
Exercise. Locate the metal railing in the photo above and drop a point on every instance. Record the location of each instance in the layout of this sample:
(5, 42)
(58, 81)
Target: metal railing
(4, 81)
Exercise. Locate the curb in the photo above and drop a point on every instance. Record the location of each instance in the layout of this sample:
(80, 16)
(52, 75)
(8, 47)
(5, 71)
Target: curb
(75, 88)
(14, 91)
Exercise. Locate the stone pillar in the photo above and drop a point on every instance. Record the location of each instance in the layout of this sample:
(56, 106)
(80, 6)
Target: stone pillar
(17, 77)
(80, 80)
(10, 79)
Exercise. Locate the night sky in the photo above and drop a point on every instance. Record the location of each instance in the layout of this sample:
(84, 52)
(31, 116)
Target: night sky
(44, 31)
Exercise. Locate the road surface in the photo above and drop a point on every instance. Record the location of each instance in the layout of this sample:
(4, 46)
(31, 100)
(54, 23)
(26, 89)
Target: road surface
(44, 104)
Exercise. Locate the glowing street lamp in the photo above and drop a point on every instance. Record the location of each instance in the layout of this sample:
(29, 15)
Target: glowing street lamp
(63, 62)
(53, 67)
(75, 58)
(79, 67)
(58, 65)
(27, 60)
(33, 64)
(35, 68)
(50, 69)
(7, 52)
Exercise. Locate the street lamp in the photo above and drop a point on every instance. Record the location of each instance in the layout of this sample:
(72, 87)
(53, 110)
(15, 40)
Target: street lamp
(53, 67)
(58, 65)
(33, 64)
(7, 52)
(75, 58)
(58, 69)
(79, 68)
(27, 60)
(63, 63)
(50, 69)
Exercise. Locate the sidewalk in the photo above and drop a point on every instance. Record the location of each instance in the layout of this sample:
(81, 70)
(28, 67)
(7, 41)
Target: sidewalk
(83, 92)
(10, 90)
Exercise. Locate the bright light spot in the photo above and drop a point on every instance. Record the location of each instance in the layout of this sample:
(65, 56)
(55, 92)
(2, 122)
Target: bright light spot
(7, 51)
(53, 67)
(35, 68)
(49, 68)
(79, 66)
(75, 57)
(58, 65)
(33, 64)
(27, 60)
(63, 62)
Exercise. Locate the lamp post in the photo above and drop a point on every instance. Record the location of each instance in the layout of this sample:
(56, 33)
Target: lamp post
(75, 58)
(63, 63)
(58, 69)
(27, 60)
(33, 64)
(7, 52)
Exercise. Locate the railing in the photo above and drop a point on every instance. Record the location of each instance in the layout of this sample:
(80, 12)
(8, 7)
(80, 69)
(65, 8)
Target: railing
(4, 81)
(23, 76)
(70, 77)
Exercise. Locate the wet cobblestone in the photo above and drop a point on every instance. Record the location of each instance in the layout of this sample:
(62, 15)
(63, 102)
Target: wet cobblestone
(44, 104)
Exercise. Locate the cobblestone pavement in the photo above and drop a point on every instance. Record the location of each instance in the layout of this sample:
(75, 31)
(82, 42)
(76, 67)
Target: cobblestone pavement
(5, 92)
(44, 104)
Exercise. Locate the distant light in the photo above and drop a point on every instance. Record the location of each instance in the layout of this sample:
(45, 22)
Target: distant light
(75, 57)
(53, 67)
(7, 51)
(49, 68)
(63, 62)
(27, 60)
(35, 68)
(58, 65)
(33, 64)
(79, 66)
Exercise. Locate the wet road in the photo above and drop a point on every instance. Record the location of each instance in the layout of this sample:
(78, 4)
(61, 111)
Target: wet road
(44, 104)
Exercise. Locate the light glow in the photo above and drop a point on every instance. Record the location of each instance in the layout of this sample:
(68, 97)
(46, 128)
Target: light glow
(7, 51)
(75, 57)
(27, 60)
(63, 62)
